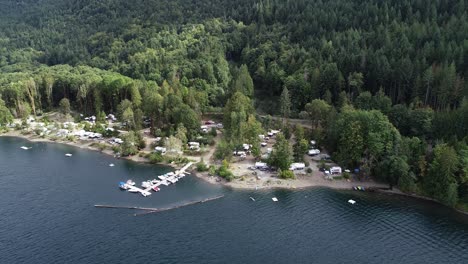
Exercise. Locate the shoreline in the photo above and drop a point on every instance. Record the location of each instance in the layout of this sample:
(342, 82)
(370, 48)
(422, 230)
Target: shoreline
(305, 182)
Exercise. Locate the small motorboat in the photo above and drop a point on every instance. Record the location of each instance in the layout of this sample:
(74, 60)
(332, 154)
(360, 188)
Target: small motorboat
(251, 198)
(111, 165)
(162, 177)
(351, 201)
(156, 189)
(274, 199)
(145, 194)
(68, 155)
(130, 182)
(25, 148)
(165, 183)
(123, 186)
(154, 181)
(146, 184)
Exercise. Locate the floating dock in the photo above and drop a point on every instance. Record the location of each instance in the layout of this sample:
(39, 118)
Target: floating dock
(172, 178)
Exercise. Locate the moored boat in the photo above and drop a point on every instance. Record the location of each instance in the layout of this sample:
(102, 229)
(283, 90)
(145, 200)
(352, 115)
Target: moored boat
(123, 185)
(130, 182)
(156, 189)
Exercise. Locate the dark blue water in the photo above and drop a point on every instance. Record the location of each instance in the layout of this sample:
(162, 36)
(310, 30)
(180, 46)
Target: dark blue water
(47, 215)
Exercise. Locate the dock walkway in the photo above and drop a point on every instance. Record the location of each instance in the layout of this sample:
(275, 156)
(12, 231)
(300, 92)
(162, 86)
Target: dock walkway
(145, 192)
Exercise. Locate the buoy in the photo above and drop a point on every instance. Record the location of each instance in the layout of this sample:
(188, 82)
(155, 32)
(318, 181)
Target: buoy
(351, 201)
(274, 199)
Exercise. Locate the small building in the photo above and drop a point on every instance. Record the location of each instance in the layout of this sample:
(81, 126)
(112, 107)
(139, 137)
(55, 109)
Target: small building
(246, 147)
(297, 166)
(335, 170)
(263, 144)
(262, 137)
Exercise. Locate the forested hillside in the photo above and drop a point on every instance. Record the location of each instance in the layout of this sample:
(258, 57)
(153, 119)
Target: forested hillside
(350, 66)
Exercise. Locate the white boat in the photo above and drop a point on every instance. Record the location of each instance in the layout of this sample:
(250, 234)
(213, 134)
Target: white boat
(68, 155)
(111, 165)
(170, 173)
(25, 148)
(174, 180)
(351, 201)
(181, 175)
(130, 182)
(253, 199)
(145, 184)
(274, 199)
(162, 177)
(165, 183)
(145, 194)
(154, 181)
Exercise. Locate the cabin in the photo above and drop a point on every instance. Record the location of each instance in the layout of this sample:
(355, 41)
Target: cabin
(335, 170)
(297, 166)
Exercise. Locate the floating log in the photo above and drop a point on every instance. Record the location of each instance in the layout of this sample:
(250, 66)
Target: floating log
(157, 210)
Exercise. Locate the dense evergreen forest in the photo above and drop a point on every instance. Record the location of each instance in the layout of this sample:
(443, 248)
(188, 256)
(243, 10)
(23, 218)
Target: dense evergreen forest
(382, 82)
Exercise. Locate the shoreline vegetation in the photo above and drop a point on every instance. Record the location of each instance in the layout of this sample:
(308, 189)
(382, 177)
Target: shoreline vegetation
(305, 182)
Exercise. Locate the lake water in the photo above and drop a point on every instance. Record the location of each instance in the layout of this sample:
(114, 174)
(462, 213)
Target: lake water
(47, 215)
